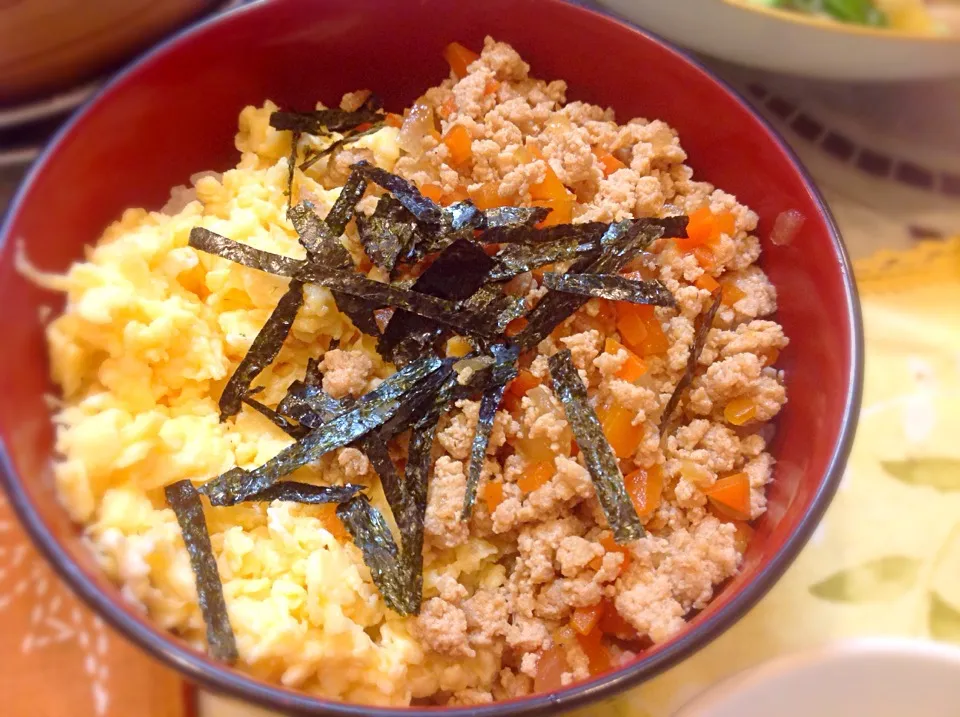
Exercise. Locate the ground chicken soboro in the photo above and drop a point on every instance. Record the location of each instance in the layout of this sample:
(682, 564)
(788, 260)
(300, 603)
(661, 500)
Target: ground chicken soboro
(140, 412)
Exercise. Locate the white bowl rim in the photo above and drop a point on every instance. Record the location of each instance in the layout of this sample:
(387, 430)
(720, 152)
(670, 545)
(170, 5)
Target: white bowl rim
(897, 648)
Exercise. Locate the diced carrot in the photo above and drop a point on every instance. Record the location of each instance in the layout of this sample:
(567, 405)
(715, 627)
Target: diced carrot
(448, 107)
(731, 496)
(511, 402)
(633, 368)
(574, 448)
(769, 356)
(705, 257)
(432, 191)
(640, 329)
(617, 424)
(550, 188)
(459, 57)
(536, 475)
(724, 223)
(550, 669)
(584, 619)
(524, 381)
(705, 228)
(743, 536)
(612, 546)
(458, 194)
(327, 514)
(645, 487)
(730, 293)
(612, 623)
(487, 196)
(707, 282)
(394, 120)
(458, 143)
(458, 346)
(598, 656)
(491, 86)
(740, 411)
(561, 210)
(382, 317)
(515, 327)
(608, 162)
(493, 494)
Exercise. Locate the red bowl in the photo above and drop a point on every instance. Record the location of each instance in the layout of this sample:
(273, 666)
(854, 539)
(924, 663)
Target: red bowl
(174, 112)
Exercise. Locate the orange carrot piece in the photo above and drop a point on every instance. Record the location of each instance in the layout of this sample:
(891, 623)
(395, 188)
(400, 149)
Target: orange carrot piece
(707, 282)
(598, 656)
(524, 381)
(740, 411)
(731, 496)
(458, 144)
(457, 195)
(585, 619)
(645, 487)
(394, 120)
(561, 211)
(612, 623)
(459, 57)
(705, 256)
(535, 476)
(487, 196)
(515, 327)
(608, 162)
(493, 494)
(769, 356)
(491, 86)
(633, 368)
(550, 669)
(432, 191)
(617, 424)
(730, 293)
(327, 514)
(612, 546)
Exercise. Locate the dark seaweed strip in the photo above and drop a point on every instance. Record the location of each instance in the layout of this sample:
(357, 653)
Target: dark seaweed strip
(263, 350)
(314, 407)
(481, 439)
(296, 492)
(673, 227)
(490, 300)
(373, 103)
(316, 155)
(424, 209)
(386, 233)
(524, 234)
(359, 311)
(428, 396)
(620, 242)
(456, 274)
(282, 422)
(320, 122)
(596, 451)
(213, 243)
(419, 468)
(184, 499)
(292, 166)
(371, 411)
(346, 204)
(514, 216)
(317, 238)
(611, 286)
(515, 259)
(445, 312)
(371, 534)
(463, 215)
(703, 324)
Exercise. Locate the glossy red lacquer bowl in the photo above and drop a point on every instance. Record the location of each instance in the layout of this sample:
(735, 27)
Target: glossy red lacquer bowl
(174, 113)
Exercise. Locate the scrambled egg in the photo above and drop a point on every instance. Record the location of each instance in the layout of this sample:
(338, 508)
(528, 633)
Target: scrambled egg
(151, 333)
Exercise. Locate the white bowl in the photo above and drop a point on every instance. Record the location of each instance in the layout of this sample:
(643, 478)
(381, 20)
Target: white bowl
(884, 677)
(794, 43)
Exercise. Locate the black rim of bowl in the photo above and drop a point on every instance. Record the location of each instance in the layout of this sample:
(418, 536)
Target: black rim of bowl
(225, 680)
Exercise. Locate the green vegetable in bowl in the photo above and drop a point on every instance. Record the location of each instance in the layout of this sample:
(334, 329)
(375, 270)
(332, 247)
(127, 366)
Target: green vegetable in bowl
(860, 12)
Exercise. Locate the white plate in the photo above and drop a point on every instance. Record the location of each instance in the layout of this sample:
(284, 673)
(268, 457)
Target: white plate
(861, 678)
(793, 43)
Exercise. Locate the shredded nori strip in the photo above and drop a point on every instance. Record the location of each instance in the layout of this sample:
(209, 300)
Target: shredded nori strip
(213, 243)
(456, 274)
(596, 451)
(320, 122)
(317, 237)
(346, 204)
(611, 286)
(621, 241)
(370, 411)
(424, 209)
(316, 155)
(516, 259)
(528, 235)
(673, 227)
(514, 216)
(463, 215)
(387, 233)
(478, 451)
(371, 534)
(490, 300)
(184, 499)
(430, 395)
(296, 492)
(702, 330)
(292, 165)
(449, 313)
(263, 350)
(282, 422)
